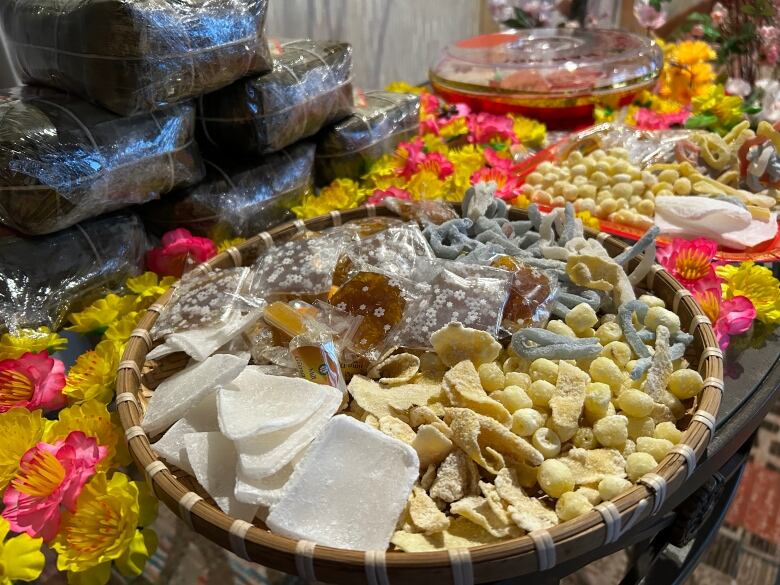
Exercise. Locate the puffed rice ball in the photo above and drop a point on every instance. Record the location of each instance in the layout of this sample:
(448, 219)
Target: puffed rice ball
(658, 448)
(685, 383)
(605, 370)
(638, 464)
(612, 431)
(560, 328)
(572, 504)
(630, 447)
(640, 427)
(652, 301)
(584, 438)
(526, 421)
(491, 377)
(546, 442)
(673, 403)
(618, 351)
(520, 379)
(544, 369)
(635, 403)
(513, 398)
(659, 316)
(555, 478)
(598, 397)
(540, 392)
(593, 495)
(608, 332)
(668, 431)
(612, 486)
(581, 317)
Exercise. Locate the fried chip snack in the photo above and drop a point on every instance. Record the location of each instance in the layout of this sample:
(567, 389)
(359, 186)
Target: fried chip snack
(478, 510)
(480, 435)
(455, 343)
(396, 369)
(424, 513)
(431, 444)
(427, 478)
(397, 429)
(463, 388)
(661, 367)
(381, 402)
(461, 534)
(528, 513)
(568, 400)
(591, 466)
(456, 478)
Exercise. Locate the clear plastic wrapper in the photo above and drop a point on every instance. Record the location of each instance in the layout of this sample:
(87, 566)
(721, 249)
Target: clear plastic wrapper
(63, 160)
(203, 300)
(43, 278)
(532, 294)
(310, 87)
(379, 121)
(238, 199)
(424, 212)
(132, 56)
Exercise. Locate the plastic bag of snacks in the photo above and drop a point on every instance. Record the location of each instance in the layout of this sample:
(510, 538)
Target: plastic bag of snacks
(135, 57)
(238, 199)
(63, 160)
(379, 121)
(309, 87)
(43, 278)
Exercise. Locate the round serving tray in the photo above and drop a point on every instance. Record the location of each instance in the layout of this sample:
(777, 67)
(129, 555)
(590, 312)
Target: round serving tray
(538, 551)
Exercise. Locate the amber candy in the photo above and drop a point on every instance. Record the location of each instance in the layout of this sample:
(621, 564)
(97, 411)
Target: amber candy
(530, 294)
(376, 298)
(436, 212)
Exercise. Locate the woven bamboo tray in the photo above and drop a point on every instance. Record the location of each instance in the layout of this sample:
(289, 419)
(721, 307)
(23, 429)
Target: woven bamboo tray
(536, 552)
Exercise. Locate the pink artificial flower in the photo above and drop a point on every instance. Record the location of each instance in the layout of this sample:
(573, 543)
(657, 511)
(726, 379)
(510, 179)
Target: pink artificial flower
(178, 246)
(647, 16)
(729, 316)
(718, 14)
(507, 185)
(647, 119)
(772, 54)
(484, 127)
(496, 161)
(32, 381)
(769, 33)
(697, 31)
(434, 162)
(690, 262)
(50, 476)
(379, 195)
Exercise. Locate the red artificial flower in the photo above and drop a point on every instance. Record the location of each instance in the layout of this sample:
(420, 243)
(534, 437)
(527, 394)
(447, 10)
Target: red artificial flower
(647, 119)
(178, 246)
(729, 316)
(485, 127)
(507, 186)
(32, 381)
(379, 195)
(691, 262)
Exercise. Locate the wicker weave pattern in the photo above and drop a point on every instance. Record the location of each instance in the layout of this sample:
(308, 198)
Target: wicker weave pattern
(537, 551)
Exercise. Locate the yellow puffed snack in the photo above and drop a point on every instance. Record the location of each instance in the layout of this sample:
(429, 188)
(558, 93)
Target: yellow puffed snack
(606, 371)
(543, 369)
(491, 376)
(640, 427)
(652, 301)
(598, 398)
(612, 486)
(526, 421)
(569, 398)
(611, 431)
(555, 478)
(455, 343)
(520, 379)
(461, 534)
(638, 464)
(630, 447)
(547, 442)
(540, 392)
(526, 512)
(668, 431)
(463, 388)
(635, 403)
(431, 444)
(581, 317)
(572, 504)
(609, 332)
(591, 466)
(584, 438)
(618, 351)
(478, 510)
(685, 384)
(513, 398)
(560, 328)
(592, 494)
(659, 316)
(456, 478)
(658, 448)
(424, 513)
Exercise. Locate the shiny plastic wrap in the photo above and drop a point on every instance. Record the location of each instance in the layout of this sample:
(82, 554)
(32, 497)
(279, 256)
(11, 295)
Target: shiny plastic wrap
(379, 121)
(310, 87)
(237, 199)
(42, 278)
(132, 56)
(63, 160)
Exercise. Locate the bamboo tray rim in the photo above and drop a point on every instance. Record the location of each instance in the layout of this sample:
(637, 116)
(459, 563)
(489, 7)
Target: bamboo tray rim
(521, 555)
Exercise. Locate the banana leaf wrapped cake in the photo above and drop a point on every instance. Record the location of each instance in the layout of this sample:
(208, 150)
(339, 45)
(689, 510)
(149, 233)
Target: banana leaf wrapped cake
(238, 199)
(310, 87)
(379, 121)
(63, 160)
(136, 56)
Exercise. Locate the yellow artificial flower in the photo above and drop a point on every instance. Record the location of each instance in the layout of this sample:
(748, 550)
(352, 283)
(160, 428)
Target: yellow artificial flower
(726, 108)
(104, 528)
(630, 119)
(13, 345)
(99, 315)
(93, 375)
(687, 71)
(21, 558)
(148, 286)
(384, 173)
(229, 243)
(403, 87)
(119, 331)
(94, 420)
(339, 195)
(588, 220)
(692, 52)
(756, 283)
(521, 201)
(426, 185)
(529, 132)
(434, 143)
(20, 430)
(603, 114)
(454, 129)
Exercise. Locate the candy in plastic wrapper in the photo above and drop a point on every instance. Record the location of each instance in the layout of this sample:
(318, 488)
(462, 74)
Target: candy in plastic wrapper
(531, 295)
(238, 199)
(366, 227)
(63, 160)
(134, 57)
(43, 278)
(309, 87)
(379, 121)
(425, 211)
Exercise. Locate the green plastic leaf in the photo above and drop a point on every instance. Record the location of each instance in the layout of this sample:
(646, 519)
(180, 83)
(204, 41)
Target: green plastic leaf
(701, 121)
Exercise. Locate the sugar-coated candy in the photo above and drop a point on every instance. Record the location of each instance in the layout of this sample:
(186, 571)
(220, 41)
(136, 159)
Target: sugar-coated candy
(572, 504)
(685, 384)
(668, 431)
(611, 431)
(612, 486)
(658, 448)
(555, 478)
(341, 494)
(638, 464)
(635, 403)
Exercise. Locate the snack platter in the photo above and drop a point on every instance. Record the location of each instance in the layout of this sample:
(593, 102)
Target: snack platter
(487, 440)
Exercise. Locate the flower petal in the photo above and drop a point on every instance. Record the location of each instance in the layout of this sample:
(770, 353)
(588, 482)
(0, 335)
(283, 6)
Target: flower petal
(97, 575)
(22, 558)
